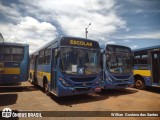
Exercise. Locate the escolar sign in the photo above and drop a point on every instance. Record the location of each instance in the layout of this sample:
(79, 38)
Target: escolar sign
(81, 43)
(78, 42)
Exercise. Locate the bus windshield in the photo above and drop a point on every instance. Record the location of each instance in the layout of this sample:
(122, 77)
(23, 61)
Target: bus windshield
(119, 62)
(80, 61)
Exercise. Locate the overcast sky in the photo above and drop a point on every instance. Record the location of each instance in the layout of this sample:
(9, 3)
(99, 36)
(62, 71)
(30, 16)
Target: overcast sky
(134, 23)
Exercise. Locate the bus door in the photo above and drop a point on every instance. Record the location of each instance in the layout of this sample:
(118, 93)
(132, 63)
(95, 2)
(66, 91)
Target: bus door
(54, 70)
(156, 66)
(35, 68)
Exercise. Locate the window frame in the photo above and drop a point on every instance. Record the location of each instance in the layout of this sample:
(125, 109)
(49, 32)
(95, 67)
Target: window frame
(12, 54)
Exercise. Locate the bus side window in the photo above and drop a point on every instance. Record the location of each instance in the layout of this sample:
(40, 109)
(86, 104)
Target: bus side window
(137, 59)
(144, 59)
(47, 56)
(13, 53)
(101, 60)
(7, 53)
(41, 57)
(17, 53)
(108, 60)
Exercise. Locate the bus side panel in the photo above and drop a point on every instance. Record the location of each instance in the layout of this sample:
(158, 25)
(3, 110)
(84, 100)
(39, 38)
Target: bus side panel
(11, 78)
(11, 73)
(148, 81)
(142, 72)
(24, 66)
(43, 71)
(146, 74)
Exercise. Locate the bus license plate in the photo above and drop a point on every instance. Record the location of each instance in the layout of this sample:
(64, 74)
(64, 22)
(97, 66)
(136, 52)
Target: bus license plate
(98, 89)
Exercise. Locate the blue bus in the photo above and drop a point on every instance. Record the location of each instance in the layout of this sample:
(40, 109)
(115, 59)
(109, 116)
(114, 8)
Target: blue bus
(67, 66)
(14, 62)
(117, 66)
(147, 67)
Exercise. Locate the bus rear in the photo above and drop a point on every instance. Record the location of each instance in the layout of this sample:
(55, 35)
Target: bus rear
(117, 67)
(14, 63)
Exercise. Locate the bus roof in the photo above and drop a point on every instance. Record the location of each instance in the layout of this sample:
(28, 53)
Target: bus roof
(15, 44)
(147, 48)
(104, 46)
(118, 45)
(58, 39)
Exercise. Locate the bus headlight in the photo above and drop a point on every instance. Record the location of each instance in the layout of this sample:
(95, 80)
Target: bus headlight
(99, 81)
(131, 79)
(64, 82)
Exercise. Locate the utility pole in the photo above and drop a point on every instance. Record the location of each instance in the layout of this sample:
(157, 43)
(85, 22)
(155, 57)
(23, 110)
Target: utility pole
(1, 38)
(86, 29)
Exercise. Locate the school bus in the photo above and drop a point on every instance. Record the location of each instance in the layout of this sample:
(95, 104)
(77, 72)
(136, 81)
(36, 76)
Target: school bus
(147, 67)
(67, 66)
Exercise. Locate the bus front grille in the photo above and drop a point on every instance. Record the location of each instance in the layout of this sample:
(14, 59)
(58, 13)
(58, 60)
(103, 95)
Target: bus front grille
(82, 89)
(122, 77)
(121, 81)
(83, 79)
(121, 85)
(82, 84)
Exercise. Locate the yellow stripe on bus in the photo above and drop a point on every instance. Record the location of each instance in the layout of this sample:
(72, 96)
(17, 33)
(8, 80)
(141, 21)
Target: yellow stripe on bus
(11, 71)
(142, 72)
(42, 74)
(31, 71)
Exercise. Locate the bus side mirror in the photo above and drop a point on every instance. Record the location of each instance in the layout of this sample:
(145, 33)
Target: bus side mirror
(56, 54)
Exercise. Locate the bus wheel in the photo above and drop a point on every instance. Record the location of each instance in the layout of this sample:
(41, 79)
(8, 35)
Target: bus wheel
(46, 88)
(139, 84)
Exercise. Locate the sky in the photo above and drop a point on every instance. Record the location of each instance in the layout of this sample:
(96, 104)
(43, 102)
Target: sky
(133, 23)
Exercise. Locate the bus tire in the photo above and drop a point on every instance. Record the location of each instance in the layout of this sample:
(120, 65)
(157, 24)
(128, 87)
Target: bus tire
(139, 84)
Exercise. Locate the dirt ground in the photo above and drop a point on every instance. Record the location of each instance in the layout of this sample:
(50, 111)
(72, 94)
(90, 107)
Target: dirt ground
(27, 97)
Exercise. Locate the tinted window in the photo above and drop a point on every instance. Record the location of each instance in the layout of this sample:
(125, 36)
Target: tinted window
(144, 59)
(141, 57)
(44, 56)
(17, 50)
(47, 56)
(13, 54)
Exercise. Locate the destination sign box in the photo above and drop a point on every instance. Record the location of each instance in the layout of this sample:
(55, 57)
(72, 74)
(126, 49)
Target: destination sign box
(118, 48)
(77, 42)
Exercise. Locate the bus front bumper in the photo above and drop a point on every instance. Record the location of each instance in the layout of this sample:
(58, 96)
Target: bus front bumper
(109, 85)
(68, 91)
